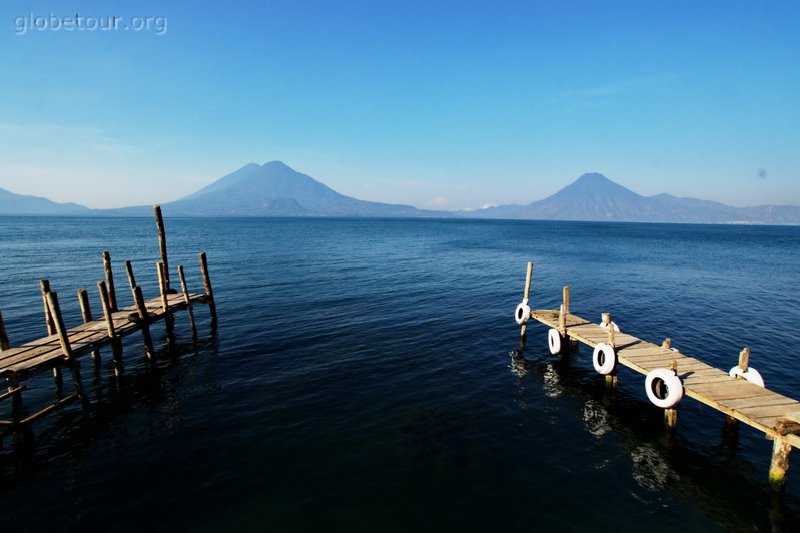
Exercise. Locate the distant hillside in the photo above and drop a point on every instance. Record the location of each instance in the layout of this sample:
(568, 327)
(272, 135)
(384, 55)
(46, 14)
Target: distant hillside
(20, 204)
(595, 197)
(274, 189)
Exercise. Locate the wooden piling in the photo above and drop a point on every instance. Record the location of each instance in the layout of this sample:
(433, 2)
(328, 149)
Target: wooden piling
(4, 345)
(779, 464)
(731, 424)
(169, 320)
(162, 285)
(610, 328)
(66, 348)
(142, 310)
(523, 331)
(61, 330)
(671, 415)
(744, 359)
(162, 242)
(212, 307)
(44, 288)
(86, 314)
(106, 304)
(528, 275)
(129, 270)
(112, 295)
(186, 300)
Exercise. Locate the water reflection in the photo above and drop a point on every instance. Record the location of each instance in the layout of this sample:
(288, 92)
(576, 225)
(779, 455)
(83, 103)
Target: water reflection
(115, 395)
(650, 470)
(596, 418)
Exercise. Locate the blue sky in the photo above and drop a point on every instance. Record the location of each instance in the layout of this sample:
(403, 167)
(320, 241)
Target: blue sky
(436, 104)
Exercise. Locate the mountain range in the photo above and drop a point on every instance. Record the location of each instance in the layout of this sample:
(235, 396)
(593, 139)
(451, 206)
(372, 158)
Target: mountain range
(595, 197)
(274, 189)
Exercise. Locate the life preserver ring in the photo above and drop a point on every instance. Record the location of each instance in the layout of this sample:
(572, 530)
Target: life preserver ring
(554, 341)
(604, 358)
(664, 388)
(751, 375)
(523, 312)
(605, 326)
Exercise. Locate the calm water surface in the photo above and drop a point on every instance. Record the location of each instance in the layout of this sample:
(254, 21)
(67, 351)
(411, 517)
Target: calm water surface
(362, 379)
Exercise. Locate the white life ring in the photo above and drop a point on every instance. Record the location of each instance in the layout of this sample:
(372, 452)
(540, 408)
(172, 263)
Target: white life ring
(605, 326)
(523, 312)
(604, 358)
(663, 388)
(554, 340)
(751, 375)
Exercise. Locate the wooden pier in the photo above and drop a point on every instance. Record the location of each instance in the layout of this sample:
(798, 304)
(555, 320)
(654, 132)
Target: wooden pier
(62, 347)
(739, 393)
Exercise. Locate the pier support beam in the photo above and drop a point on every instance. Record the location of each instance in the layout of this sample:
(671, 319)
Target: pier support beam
(131, 277)
(671, 415)
(779, 465)
(162, 243)
(523, 332)
(44, 288)
(112, 295)
(212, 307)
(63, 338)
(86, 314)
(163, 287)
(186, 299)
(143, 316)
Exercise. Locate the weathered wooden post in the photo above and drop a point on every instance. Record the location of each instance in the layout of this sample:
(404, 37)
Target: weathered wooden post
(169, 321)
(779, 464)
(129, 270)
(731, 424)
(186, 299)
(523, 332)
(63, 338)
(106, 305)
(86, 314)
(562, 321)
(671, 414)
(142, 310)
(112, 295)
(162, 242)
(44, 288)
(212, 308)
(4, 345)
(116, 343)
(611, 379)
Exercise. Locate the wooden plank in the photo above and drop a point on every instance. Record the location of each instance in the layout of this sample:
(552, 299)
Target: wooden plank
(775, 399)
(767, 410)
(726, 390)
(645, 351)
(694, 381)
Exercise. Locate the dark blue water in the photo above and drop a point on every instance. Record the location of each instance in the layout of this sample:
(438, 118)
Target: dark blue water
(361, 379)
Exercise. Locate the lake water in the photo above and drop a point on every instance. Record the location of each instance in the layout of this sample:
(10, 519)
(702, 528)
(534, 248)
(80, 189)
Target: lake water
(362, 378)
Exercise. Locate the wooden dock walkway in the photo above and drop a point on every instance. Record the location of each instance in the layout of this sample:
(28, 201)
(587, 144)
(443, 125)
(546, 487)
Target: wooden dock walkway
(774, 414)
(62, 347)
